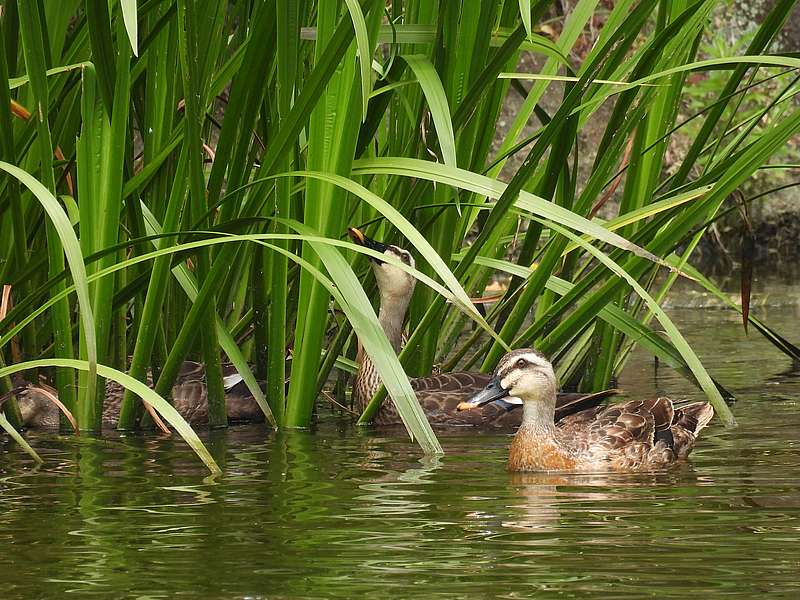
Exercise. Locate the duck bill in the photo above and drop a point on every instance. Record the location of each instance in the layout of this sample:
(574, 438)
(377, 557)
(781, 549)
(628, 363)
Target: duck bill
(359, 238)
(493, 391)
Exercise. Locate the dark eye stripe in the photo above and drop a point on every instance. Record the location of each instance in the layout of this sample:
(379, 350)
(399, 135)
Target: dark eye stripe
(506, 371)
(400, 254)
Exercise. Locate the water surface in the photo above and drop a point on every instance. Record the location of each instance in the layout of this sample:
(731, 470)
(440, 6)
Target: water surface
(340, 512)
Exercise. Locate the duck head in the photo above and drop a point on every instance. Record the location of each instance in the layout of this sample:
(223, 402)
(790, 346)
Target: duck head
(522, 376)
(394, 283)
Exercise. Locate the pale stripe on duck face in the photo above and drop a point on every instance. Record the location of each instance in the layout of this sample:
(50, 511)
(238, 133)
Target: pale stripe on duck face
(526, 373)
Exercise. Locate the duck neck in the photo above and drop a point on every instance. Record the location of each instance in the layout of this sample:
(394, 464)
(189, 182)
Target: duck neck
(536, 446)
(538, 415)
(391, 315)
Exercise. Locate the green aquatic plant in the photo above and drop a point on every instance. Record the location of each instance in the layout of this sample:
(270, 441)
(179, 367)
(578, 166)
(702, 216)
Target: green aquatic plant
(187, 170)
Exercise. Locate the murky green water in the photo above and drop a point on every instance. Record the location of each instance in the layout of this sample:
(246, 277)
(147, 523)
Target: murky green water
(337, 513)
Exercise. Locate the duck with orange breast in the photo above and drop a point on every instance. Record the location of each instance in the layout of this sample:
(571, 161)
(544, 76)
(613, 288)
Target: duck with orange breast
(638, 435)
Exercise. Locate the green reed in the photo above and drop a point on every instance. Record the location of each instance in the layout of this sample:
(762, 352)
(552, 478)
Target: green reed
(188, 169)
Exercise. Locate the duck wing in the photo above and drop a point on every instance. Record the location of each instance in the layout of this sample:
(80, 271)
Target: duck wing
(190, 396)
(570, 403)
(463, 383)
(439, 395)
(637, 434)
(635, 421)
(620, 435)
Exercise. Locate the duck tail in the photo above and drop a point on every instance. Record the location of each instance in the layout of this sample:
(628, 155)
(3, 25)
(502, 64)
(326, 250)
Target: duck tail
(688, 422)
(694, 417)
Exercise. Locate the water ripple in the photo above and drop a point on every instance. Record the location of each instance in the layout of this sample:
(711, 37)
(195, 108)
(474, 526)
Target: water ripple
(339, 512)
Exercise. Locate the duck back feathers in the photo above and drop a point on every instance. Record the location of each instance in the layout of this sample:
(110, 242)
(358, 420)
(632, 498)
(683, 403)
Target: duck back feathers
(189, 397)
(634, 435)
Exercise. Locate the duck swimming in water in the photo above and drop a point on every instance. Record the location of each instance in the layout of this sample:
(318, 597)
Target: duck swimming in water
(439, 395)
(189, 397)
(639, 435)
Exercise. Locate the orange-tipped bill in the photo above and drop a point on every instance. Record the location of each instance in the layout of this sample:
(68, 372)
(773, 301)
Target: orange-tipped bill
(356, 235)
(359, 238)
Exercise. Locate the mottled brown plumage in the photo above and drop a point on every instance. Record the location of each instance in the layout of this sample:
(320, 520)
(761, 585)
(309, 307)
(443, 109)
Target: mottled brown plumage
(638, 435)
(189, 397)
(439, 395)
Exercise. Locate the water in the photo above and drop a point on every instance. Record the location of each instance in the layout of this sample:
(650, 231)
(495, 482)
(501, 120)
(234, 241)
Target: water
(338, 512)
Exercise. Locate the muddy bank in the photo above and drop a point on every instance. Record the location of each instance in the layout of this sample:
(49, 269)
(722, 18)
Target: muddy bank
(776, 230)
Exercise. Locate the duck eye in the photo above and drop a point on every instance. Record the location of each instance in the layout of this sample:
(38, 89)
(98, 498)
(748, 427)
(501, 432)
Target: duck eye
(522, 362)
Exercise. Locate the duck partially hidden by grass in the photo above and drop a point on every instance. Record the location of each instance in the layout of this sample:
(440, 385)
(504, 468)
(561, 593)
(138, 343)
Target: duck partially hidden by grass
(189, 397)
(439, 395)
(639, 435)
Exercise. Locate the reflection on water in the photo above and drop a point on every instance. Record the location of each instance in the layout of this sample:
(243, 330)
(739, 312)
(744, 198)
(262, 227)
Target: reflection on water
(340, 512)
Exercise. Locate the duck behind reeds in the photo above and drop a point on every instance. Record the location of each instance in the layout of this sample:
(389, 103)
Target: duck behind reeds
(639, 435)
(439, 395)
(189, 397)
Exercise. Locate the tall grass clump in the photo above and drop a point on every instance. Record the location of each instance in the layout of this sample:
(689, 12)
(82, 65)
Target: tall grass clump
(177, 176)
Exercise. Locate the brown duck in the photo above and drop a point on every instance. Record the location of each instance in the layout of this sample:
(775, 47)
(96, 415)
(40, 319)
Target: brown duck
(639, 435)
(189, 397)
(439, 395)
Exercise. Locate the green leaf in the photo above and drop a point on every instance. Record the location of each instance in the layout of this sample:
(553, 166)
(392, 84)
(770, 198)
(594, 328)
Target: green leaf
(229, 346)
(16, 82)
(525, 13)
(437, 104)
(647, 211)
(131, 24)
(547, 77)
(364, 54)
(15, 435)
(72, 250)
(486, 186)
(700, 65)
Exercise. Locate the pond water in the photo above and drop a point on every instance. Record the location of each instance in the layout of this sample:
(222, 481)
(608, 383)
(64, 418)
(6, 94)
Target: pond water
(340, 512)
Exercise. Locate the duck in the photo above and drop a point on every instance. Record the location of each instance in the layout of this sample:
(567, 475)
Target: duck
(637, 435)
(439, 395)
(189, 397)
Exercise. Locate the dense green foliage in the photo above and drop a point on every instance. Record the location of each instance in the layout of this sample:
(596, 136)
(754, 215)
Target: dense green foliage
(203, 160)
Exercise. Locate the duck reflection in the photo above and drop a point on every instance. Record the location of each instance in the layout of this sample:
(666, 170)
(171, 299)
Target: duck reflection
(545, 499)
(397, 488)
